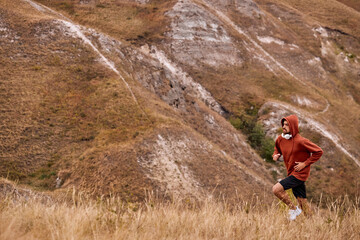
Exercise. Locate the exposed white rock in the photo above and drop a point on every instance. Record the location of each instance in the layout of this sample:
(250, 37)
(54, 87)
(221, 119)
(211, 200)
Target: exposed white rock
(248, 8)
(199, 91)
(37, 6)
(58, 182)
(198, 37)
(269, 40)
(326, 48)
(293, 46)
(315, 61)
(303, 101)
(7, 33)
(106, 43)
(275, 170)
(210, 119)
(322, 31)
(236, 138)
(167, 164)
(259, 53)
(142, 1)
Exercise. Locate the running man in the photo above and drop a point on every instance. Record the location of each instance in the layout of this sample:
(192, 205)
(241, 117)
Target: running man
(299, 153)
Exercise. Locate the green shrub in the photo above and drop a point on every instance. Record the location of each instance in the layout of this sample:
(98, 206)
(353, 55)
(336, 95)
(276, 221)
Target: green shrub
(318, 168)
(256, 136)
(267, 148)
(274, 174)
(248, 124)
(36, 68)
(350, 55)
(236, 122)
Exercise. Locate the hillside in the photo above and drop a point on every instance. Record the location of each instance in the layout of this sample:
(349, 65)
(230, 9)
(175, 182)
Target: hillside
(177, 97)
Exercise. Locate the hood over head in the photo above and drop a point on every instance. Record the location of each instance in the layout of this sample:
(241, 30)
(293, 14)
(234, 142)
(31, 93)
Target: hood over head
(293, 124)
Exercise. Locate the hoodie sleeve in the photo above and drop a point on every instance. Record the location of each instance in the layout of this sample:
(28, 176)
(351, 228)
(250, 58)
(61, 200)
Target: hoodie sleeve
(315, 150)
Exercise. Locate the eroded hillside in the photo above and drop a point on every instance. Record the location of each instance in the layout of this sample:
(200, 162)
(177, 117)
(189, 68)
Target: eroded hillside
(126, 96)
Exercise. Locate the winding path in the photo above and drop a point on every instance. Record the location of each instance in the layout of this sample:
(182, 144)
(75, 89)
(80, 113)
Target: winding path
(320, 128)
(227, 21)
(76, 31)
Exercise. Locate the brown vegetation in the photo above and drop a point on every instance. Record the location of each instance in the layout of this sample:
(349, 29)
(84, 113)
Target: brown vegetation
(111, 218)
(351, 3)
(124, 20)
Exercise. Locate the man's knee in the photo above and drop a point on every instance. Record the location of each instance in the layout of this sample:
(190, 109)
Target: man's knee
(277, 189)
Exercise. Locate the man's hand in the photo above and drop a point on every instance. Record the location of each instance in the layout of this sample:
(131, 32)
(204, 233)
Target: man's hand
(276, 156)
(299, 166)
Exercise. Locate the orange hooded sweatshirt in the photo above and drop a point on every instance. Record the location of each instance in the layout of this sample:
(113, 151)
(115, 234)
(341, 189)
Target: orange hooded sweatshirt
(297, 149)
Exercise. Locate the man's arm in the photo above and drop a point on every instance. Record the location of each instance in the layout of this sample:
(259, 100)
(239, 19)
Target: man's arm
(276, 157)
(315, 150)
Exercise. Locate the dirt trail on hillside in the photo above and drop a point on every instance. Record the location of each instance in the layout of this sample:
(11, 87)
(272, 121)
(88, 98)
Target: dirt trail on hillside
(313, 124)
(263, 54)
(230, 23)
(76, 31)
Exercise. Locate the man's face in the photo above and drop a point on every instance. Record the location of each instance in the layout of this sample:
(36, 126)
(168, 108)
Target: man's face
(286, 127)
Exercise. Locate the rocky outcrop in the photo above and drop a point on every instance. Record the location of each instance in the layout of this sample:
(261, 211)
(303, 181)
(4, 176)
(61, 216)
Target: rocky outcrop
(198, 38)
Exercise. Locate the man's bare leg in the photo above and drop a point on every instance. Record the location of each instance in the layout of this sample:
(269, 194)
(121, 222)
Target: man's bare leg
(305, 206)
(279, 192)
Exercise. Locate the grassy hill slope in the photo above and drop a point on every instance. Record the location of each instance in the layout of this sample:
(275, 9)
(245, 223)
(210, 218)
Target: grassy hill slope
(141, 121)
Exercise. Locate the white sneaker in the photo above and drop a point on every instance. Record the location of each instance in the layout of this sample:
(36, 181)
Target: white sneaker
(294, 213)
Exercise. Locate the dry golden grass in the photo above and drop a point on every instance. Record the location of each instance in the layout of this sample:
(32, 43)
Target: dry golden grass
(351, 3)
(330, 13)
(112, 219)
(125, 20)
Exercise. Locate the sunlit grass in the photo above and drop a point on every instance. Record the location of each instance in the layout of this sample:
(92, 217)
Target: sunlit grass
(111, 218)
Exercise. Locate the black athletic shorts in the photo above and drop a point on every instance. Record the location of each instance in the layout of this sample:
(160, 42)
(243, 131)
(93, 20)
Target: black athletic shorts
(298, 186)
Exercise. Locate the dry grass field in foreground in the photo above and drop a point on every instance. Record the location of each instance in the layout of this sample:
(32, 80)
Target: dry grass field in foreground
(113, 219)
